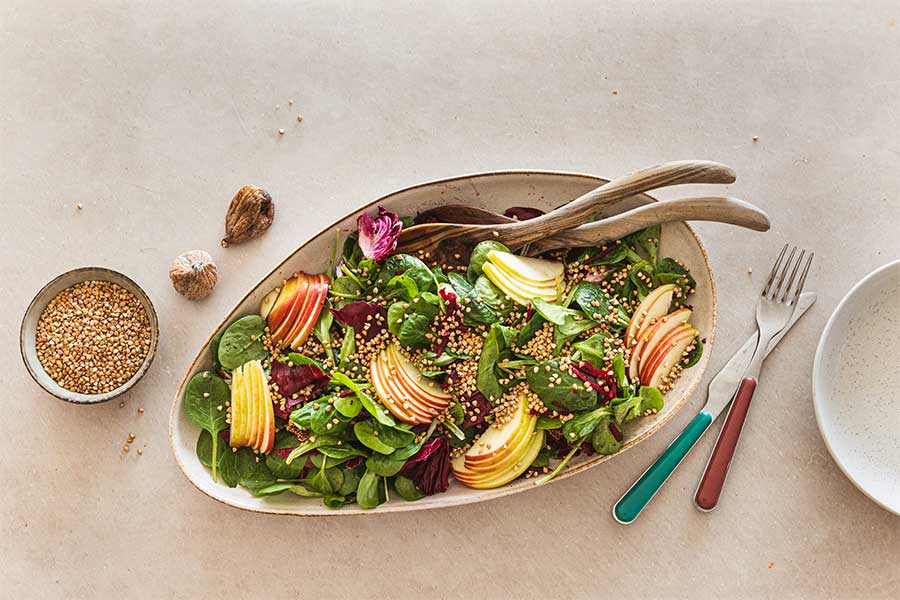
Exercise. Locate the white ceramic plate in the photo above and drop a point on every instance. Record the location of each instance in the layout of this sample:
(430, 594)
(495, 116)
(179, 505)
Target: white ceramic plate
(856, 378)
(495, 191)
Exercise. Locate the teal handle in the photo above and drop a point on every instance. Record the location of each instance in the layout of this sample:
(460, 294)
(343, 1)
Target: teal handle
(639, 495)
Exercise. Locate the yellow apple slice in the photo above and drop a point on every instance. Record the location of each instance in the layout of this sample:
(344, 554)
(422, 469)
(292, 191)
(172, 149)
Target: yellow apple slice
(485, 481)
(497, 442)
(237, 391)
(252, 403)
(520, 291)
(268, 302)
(523, 268)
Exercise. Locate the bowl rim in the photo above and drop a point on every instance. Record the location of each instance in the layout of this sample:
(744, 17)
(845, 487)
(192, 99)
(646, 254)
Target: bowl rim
(153, 318)
(486, 494)
(817, 375)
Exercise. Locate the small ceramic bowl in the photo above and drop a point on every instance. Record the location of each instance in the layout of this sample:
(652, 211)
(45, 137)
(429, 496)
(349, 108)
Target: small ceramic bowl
(855, 382)
(40, 302)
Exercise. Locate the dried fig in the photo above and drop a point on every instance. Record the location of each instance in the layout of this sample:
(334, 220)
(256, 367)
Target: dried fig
(194, 274)
(250, 214)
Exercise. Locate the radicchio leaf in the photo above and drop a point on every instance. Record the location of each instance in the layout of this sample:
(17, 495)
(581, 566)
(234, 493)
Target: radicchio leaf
(429, 468)
(290, 403)
(476, 401)
(522, 213)
(292, 379)
(356, 315)
(378, 237)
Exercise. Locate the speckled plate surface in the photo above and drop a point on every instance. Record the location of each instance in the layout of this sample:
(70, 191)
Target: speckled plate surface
(494, 191)
(856, 386)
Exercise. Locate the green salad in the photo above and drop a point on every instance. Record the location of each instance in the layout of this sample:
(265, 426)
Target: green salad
(392, 374)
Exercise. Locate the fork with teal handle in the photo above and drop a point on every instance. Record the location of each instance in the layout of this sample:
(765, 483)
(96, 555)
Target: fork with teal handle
(721, 391)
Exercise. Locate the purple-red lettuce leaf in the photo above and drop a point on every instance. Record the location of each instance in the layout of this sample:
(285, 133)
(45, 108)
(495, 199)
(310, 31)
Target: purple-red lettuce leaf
(378, 237)
(429, 468)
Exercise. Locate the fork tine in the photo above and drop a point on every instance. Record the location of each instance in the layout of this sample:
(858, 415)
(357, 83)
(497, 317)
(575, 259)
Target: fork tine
(803, 278)
(774, 270)
(784, 271)
(790, 281)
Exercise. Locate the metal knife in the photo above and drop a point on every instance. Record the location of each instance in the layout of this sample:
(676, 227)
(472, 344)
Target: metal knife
(721, 391)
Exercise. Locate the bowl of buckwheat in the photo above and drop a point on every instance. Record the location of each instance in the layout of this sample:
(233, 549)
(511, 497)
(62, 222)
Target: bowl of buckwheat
(89, 335)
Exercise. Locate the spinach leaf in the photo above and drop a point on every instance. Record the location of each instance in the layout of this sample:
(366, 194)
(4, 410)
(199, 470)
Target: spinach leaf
(642, 277)
(583, 424)
(205, 393)
(694, 357)
(618, 368)
(403, 286)
(365, 433)
(205, 451)
(572, 326)
(411, 321)
(252, 472)
(614, 256)
(671, 271)
(351, 481)
(651, 399)
(346, 287)
(486, 378)
(559, 389)
(491, 295)
(372, 407)
(349, 406)
(228, 468)
(553, 312)
(548, 422)
(530, 328)
(369, 493)
(242, 342)
(475, 309)
(348, 346)
(322, 330)
(325, 419)
(394, 437)
(407, 489)
(592, 349)
(214, 349)
(341, 452)
(404, 264)
(647, 241)
(310, 445)
(479, 256)
(277, 464)
(603, 441)
(385, 465)
(595, 304)
(275, 488)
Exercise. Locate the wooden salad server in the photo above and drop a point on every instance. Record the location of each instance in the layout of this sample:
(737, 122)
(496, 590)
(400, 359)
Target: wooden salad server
(722, 210)
(446, 239)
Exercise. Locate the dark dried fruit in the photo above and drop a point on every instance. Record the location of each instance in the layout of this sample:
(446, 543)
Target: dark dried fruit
(250, 214)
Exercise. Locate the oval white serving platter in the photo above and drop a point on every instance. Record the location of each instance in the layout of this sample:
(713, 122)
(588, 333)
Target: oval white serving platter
(855, 382)
(494, 191)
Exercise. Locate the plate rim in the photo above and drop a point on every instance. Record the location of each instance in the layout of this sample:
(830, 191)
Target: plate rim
(486, 494)
(817, 376)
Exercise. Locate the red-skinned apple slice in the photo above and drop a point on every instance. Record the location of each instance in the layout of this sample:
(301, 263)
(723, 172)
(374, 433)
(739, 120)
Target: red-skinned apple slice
(427, 386)
(318, 291)
(402, 399)
(662, 364)
(296, 296)
(653, 306)
(647, 340)
(651, 355)
(282, 304)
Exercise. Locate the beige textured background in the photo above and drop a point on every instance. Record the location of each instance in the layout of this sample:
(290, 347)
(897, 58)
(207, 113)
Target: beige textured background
(152, 115)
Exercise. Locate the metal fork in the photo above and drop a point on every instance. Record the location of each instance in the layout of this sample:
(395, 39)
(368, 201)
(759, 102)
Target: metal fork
(773, 313)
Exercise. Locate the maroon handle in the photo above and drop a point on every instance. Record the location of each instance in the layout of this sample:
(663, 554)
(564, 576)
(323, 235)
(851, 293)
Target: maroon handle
(710, 487)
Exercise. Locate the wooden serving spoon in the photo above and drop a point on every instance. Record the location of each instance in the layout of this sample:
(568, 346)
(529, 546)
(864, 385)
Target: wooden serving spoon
(442, 240)
(723, 210)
